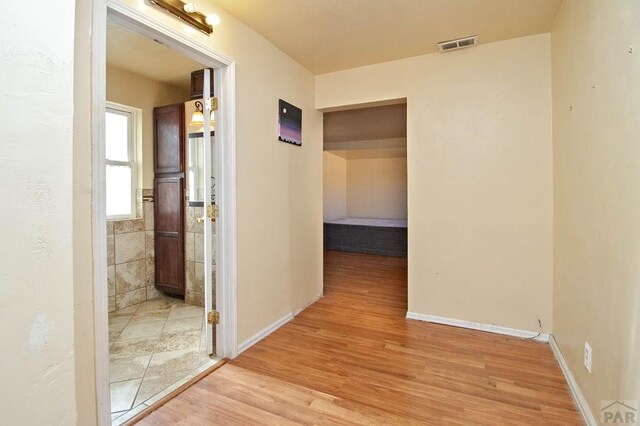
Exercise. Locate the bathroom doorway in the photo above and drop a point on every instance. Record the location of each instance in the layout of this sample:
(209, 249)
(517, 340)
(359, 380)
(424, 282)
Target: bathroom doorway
(149, 341)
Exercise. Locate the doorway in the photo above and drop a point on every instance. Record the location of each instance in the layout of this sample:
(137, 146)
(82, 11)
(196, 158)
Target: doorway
(365, 201)
(148, 312)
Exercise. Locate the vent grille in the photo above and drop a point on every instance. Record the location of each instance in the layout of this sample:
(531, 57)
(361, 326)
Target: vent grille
(460, 43)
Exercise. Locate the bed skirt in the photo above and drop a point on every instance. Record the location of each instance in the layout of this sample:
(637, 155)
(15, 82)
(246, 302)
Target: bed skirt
(388, 238)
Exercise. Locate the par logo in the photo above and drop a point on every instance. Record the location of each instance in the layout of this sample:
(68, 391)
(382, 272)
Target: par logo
(619, 412)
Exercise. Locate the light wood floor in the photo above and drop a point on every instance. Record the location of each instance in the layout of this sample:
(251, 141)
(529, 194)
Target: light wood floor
(353, 358)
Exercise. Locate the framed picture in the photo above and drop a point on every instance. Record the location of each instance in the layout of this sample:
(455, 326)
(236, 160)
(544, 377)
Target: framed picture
(290, 123)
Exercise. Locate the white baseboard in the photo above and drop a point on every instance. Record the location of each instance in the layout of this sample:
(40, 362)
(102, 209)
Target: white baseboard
(525, 334)
(264, 333)
(274, 326)
(314, 300)
(578, 397)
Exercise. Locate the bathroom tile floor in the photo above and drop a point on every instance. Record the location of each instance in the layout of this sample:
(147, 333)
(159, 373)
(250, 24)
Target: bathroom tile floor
(154, 348)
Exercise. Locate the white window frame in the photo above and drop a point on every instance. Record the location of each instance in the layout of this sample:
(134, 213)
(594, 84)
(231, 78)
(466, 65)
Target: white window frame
(134, 115)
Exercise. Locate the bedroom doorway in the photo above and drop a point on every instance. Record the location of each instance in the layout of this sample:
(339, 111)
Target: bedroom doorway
(365, 202)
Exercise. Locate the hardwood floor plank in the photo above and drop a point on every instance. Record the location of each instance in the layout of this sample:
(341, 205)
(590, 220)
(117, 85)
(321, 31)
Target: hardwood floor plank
(353, 358)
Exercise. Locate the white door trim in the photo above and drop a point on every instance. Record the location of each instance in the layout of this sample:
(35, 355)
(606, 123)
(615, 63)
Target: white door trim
(224, 66)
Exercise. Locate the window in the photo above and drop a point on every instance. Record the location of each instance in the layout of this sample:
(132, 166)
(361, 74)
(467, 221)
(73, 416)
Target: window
(120, 138)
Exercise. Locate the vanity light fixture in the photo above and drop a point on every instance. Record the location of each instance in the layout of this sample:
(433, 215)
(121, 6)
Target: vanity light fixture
(212, 19)
(197, 118)
(187, 12)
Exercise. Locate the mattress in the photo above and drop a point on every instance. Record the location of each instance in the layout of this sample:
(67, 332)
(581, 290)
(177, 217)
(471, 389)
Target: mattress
(363, 221)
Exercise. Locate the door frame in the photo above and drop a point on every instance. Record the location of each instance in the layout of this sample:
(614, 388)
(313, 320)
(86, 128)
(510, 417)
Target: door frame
(226, 242)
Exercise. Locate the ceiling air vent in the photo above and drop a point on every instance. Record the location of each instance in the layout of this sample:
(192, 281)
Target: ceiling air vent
(460, 43)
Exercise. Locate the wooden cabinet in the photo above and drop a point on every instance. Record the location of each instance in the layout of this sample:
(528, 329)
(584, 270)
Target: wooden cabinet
(197, 84)
(168, 185)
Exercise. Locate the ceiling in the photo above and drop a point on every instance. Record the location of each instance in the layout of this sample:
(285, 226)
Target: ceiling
(140, 55)
(332, 35)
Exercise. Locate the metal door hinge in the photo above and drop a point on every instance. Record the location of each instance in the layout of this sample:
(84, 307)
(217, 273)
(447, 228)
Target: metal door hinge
(213, 212)
(211, 104)
(213, 317)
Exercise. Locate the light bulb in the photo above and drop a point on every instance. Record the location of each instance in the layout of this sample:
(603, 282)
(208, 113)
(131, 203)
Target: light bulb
(212, 19)
(190, 7)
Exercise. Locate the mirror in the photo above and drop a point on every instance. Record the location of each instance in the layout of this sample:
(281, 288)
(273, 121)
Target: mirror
(195, 171)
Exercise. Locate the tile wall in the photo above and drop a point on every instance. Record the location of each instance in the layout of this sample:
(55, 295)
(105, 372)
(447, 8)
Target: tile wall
(131, 260)
(130, 257)
(194, 256)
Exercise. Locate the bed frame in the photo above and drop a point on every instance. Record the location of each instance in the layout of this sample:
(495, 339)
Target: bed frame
(382, 240)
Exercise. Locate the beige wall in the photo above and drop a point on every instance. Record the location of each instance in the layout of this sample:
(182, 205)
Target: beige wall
(597, 194)
(36, 253)
(377, 188)
(479, 176)
(137, 91)
(334, 186)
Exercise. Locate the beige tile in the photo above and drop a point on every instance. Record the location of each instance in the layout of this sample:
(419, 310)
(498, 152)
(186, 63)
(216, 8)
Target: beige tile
(131, 276)
(111, 254)
(128, 368)
(131, 225)
(118, 323)
(178, 341)
(195, 299)
(123, 394)
(112, 304)
(128, 415)
(189, 247)
(147, 192)
(183, 324)
(173, 361)
(190, 275)
(113, 336)
(150, 273)
(146, 315)
(149, 244)
(199, 247)
(109, 228)
(148, 215)
(153, 385)
(111, 280)
(137, 330)
(155, 304)
(129, 247)
(128, 311)
(130, 298)
(185, 311)
(153, 292)
(117, 414)
(132, 348)
(198, 284)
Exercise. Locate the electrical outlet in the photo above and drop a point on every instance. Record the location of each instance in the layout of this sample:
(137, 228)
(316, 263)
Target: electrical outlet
(588, 356)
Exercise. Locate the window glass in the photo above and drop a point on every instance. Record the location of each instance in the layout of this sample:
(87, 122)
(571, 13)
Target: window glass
(119, 190)
(117, 136)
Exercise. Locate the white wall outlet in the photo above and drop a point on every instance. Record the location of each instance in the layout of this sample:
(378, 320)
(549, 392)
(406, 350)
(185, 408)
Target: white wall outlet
(588, 356)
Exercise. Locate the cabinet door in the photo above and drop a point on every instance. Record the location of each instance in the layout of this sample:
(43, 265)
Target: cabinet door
(168, 139)
(169, 234)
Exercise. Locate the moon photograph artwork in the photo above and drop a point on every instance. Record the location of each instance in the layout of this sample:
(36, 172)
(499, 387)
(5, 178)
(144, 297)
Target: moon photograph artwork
(290, 123)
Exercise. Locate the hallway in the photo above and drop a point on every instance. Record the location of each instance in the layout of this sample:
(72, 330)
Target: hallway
(352, 357)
